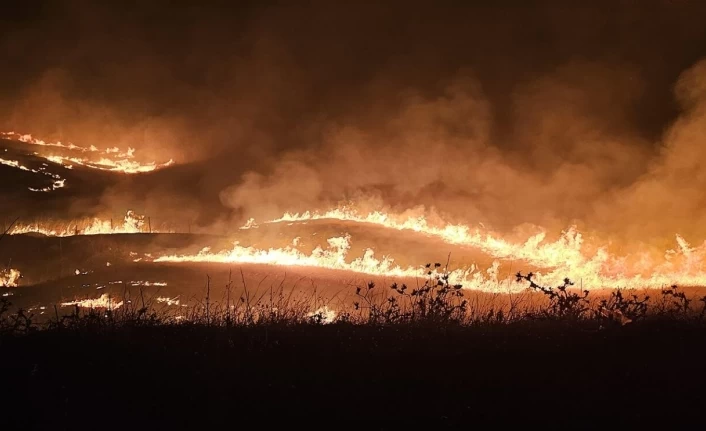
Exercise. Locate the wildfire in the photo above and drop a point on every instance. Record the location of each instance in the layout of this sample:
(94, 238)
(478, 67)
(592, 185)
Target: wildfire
(567, 250)
(566, 257)
(110, 159)
(9, 277)
(104, 301)
(323, 314)
(132, 223)
(57, 181)
(147, 283)
(123, 165)
(168, 301)
(333, 257)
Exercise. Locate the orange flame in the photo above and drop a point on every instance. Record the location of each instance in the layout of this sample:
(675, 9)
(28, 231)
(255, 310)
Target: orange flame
(9, 277)
(565, 257)
(57, 182)
(104, 301)
(334, 258)
(132, 223)
(111, 159)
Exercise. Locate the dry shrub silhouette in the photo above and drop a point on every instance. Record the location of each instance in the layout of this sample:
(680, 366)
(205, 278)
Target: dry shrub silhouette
(435, 302)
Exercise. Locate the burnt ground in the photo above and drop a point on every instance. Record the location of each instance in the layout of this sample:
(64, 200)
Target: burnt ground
(344, 377)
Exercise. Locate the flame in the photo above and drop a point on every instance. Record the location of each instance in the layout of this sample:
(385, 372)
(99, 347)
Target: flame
(147, 283)
(110, 159)
(14, 164)
(123, 165)
(323, 314)
(57, 181)
(132, 223)
(104, 301)
(568, 256)
(683, 265)
(9, 277)
(333, 257)
(168, 301)
(565, 250)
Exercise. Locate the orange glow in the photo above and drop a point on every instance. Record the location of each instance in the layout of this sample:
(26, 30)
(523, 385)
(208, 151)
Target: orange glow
(132, 223)
(110, 159)
(104, 301)
(334, 257)
(566, 257)
(169, 301)
(323, 314)
(9, 277)
(57, 181)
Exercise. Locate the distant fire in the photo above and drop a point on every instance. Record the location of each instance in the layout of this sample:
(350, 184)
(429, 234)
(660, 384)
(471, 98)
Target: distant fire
(147, 283)
(590, 265)
(323, 315)
(104, 301)
(57, 181)
(566, 257)
(132, 223)
(168, 301)
(110, 159)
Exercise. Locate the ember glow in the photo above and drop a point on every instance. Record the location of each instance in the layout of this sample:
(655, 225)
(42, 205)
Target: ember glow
(110, 159)
(556, 153)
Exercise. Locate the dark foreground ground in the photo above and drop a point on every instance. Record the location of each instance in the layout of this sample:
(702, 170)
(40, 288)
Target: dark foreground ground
(342, 377)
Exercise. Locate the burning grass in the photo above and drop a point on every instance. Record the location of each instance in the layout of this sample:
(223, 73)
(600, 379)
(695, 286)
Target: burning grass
(68, 154)
(131, 223)
(436, 302)
(400, 357)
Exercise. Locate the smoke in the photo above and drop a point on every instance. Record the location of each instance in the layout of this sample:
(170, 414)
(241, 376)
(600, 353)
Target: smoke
(669, 197)
(543, 114)
(562, 157)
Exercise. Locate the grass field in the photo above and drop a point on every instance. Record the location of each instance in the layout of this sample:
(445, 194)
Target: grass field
(285, 347)
(380, 365)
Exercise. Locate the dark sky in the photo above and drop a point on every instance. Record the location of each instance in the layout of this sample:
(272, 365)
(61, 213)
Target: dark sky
(280, 63)
(308, 92)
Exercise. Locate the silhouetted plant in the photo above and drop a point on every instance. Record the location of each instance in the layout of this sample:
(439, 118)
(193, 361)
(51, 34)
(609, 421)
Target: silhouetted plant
(677, 303)
(378, 313)
(623, 310)
(563, 303)
(437, 300)
(4, 319)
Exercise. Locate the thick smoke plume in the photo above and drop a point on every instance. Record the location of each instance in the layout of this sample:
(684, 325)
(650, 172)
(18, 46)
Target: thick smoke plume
(503, 113)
